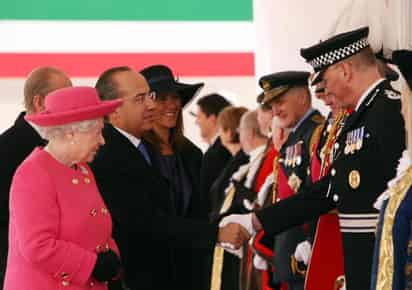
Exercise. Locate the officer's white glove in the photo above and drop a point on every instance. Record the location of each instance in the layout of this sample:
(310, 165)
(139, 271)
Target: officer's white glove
(245, 220)
(303, 252)
(228, 247)
(260, 263)
(247, 204)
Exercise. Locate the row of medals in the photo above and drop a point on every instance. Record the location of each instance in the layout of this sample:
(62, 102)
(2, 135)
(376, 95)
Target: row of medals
(293, 154)
(354, 141)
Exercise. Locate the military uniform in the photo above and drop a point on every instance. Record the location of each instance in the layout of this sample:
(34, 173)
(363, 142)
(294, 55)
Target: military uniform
(367, 151)
(325, 268)
(291, 173)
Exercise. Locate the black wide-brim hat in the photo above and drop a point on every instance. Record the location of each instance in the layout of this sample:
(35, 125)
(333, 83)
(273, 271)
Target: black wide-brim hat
(161, 80)
(403, 59)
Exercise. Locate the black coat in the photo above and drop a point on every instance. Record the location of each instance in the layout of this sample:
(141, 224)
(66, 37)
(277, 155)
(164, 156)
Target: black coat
(192, 265)
(144, 224)
(355, 181)
(214, 161)
(16, 143)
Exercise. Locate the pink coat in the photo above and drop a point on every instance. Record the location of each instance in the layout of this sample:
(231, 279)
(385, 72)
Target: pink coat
(58, 222)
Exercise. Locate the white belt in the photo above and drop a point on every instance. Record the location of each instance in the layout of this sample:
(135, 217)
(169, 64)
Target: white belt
(358, 223)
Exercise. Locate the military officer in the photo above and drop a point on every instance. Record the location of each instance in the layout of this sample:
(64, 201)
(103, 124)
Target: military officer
(368, 148)
(288, 95)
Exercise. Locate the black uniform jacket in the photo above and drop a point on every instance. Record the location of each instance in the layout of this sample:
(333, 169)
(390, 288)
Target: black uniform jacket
(369, 146)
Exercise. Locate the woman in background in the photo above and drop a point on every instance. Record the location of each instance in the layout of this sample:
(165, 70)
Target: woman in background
(179, 161)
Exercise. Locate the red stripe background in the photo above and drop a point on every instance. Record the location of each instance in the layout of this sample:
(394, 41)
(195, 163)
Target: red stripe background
(92, 64)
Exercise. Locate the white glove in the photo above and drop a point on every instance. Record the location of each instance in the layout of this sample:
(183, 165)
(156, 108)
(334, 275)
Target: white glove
(260, 263)
(303, 252)
(228, 247)
(245, 220)
(248, 205)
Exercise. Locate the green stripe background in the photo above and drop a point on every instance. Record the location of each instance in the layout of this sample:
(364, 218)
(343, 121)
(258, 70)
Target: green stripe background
(138, 10)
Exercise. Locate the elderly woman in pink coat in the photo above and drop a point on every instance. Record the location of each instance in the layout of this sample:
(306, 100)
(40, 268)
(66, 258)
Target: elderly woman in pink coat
(60, 228)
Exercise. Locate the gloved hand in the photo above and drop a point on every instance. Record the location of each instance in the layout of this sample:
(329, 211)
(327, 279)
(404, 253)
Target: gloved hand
(303, 252)
(107, 266)
(115, 285)
(245, 220)
(260, 263)
(231, 249)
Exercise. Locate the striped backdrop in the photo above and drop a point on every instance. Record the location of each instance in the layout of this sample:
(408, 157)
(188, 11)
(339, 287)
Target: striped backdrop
(211, 41)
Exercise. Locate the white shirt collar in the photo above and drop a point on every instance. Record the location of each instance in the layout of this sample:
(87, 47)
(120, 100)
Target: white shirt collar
(366, 93)
(256, 152)
(135, 141)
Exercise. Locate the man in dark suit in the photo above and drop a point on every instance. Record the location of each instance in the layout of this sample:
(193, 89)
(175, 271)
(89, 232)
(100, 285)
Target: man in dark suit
(216, 156)
(17, 142)
(146, 228)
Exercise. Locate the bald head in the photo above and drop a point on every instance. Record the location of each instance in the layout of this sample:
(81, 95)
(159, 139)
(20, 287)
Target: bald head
(40, 82)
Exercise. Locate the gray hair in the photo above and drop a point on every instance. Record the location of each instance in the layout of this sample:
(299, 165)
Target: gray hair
(249, 121)
(51, 132)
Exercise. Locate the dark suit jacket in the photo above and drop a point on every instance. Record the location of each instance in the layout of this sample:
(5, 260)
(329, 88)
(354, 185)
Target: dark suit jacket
(16, 143)
(144, 224)
(214, 161)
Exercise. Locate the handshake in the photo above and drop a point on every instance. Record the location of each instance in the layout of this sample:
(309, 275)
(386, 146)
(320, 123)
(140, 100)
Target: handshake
(235, 230)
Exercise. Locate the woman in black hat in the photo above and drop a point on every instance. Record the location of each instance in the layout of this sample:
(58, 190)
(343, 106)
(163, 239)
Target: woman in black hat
(180, 162)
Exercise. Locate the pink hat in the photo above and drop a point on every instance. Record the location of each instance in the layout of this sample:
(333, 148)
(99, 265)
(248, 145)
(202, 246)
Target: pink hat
(71, 105)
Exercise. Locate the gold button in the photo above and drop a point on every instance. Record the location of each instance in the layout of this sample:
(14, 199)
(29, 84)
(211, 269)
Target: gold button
(75, 181)
(64, 275)
(106, 247)
(86, 180)
(65, 283)
(93, 212)
(91, 284)
(104, 210)
(98, 248)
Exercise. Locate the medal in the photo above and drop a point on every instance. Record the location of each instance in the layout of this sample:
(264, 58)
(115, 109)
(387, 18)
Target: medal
(359, 143)
(353, 142)
(287, 161)
(294, 182)
(299, 153)
(354, 179)
(347, 144)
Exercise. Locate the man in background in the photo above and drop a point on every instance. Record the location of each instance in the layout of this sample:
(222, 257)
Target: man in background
(17, 142)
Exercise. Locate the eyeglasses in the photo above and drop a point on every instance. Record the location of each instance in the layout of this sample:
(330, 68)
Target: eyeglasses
(142, 97)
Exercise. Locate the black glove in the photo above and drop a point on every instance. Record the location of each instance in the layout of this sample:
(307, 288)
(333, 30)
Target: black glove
(116, 285)
(107, 266)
